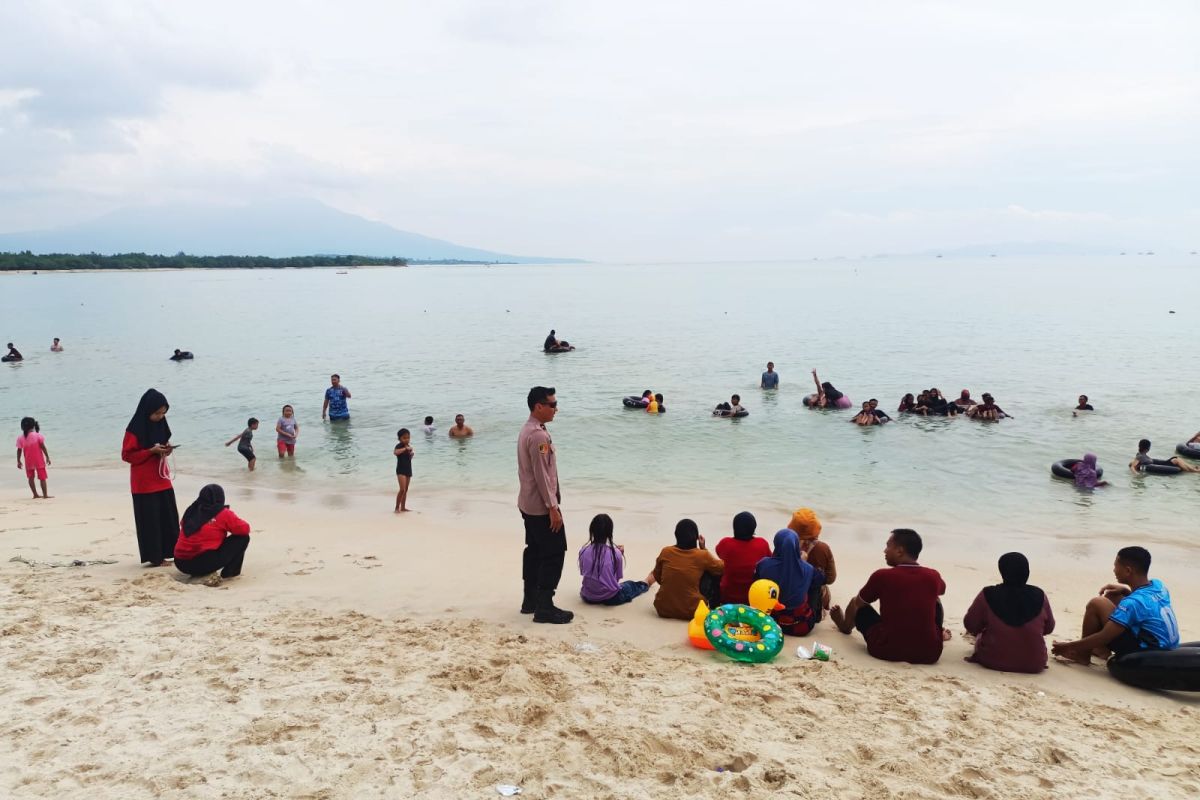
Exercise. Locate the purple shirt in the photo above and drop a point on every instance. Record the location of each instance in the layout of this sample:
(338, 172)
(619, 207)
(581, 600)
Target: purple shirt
(602, 570)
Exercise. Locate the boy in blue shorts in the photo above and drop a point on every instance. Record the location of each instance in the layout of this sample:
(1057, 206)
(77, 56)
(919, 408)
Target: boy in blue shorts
(1131, 615)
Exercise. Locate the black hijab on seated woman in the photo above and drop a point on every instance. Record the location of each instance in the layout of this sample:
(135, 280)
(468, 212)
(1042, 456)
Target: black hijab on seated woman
(1014, 601)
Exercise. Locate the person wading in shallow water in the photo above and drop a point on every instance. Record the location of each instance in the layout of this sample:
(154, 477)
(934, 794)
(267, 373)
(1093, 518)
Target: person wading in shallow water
(538, 501)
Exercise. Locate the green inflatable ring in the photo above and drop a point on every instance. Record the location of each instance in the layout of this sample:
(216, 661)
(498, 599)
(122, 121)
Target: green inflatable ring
(766, 648)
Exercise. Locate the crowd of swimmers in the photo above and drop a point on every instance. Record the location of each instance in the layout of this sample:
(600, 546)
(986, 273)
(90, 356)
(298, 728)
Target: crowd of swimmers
(1006, 622)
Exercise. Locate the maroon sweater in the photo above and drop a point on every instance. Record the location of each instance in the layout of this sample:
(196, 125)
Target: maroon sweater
(1002, 647)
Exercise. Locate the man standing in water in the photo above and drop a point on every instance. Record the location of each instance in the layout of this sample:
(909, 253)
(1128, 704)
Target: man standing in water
(336, 395)
(770, 378)
(538, 501)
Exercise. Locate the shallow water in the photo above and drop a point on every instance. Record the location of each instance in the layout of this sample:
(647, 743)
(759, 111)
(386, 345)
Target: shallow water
(440, 340)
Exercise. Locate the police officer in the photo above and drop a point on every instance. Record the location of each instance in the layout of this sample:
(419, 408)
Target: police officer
(538, 500)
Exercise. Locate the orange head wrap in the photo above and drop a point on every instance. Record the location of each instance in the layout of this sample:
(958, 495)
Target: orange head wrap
(805, 524)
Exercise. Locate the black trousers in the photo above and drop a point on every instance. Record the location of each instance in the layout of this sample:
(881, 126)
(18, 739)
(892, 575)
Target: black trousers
(156, 519)
(227, 558)
(545, 552)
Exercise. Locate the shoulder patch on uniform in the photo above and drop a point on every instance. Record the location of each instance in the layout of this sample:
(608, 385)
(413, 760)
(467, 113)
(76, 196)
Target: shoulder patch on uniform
(544, 448)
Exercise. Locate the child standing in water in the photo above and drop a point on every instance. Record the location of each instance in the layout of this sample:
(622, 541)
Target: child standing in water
(403, 453)
(245, 442)
(286, 432)
(32, 445)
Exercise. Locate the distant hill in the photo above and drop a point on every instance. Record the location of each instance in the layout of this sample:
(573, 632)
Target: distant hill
(278, 229)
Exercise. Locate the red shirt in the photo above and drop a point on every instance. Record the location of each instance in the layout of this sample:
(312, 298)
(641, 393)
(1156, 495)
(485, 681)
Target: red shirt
(740, 557)
(211, 534)
(143, 467)
(907, 629)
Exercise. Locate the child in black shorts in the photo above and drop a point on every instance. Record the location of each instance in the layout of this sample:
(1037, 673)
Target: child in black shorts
(245, 446)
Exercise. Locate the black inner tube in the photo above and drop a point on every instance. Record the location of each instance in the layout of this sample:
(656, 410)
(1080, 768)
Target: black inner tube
(1173, 670)
(1062, 469)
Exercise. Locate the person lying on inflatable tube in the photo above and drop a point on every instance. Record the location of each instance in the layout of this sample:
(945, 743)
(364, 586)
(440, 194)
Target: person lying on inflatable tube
(731, 409)
(633, 401)
(826, 396)
(1142, 462)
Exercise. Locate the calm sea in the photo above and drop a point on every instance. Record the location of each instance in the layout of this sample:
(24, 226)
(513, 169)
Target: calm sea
(444, 340)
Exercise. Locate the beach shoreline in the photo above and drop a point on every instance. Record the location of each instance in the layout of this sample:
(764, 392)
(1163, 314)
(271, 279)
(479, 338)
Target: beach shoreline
(426, 604)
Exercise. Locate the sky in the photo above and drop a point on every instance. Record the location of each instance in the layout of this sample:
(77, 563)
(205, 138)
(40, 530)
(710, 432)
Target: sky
(619, 130)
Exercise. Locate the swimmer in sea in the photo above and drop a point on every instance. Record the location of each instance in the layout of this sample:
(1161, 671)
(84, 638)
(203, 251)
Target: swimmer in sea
(865, 417)
(1143, 460)
(880, 415)
(460, 429)
(1084, 405)
(56, 347)
(13, 354)
(964, 400)
(826, 396)
(908, 404)
(181, 355)
(987, 410)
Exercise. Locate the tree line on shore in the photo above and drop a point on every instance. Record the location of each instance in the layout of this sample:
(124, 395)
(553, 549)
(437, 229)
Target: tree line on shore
(10, 262)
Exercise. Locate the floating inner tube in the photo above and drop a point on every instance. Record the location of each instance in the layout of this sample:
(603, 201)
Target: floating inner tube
(1062, 469)
(184, 356)
(633, 401)
(1161, 469)
(1188, 450)
(9, 359)
(1174, 670)
(724, 625)
(722, 412)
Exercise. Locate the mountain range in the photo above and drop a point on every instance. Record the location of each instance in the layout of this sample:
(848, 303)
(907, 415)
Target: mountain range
(277, 229)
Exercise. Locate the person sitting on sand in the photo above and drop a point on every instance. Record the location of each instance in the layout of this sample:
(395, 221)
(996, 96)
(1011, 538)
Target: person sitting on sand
(964, 400)
(1008, 621)
(865, 417)
(1084, 405)
(1128, 616)
(808, 528)
(460, 429)
(56, 345)
(799, 584)
(1143, 460)
(1087, 474)
(740, 553)
(681, 569)
(212, 539)
(908, 625)
(13, 354)
(987, 410)
(602, 565)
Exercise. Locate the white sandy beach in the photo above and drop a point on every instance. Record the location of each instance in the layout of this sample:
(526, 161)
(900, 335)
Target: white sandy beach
(364, 655)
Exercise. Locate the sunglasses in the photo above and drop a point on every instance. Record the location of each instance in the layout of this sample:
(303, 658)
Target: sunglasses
(551, 405)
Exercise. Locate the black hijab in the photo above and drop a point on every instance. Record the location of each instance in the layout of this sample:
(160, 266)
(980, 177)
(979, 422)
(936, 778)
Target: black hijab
(831, 394)
(744, 525)
(210, 503)
(150, 433)
(1014, 601)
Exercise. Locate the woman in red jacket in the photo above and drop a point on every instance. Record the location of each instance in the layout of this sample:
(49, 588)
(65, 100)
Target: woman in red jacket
(212, 539)
(146, 446)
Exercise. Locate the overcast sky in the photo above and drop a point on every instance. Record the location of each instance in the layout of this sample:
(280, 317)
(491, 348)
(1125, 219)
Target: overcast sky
(620, 130)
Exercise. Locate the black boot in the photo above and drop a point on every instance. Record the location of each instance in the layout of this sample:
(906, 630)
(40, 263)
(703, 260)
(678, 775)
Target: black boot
(548, 612)
(529, 602)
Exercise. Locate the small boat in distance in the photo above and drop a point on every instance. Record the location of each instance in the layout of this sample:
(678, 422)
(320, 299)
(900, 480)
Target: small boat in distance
(341, 272)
